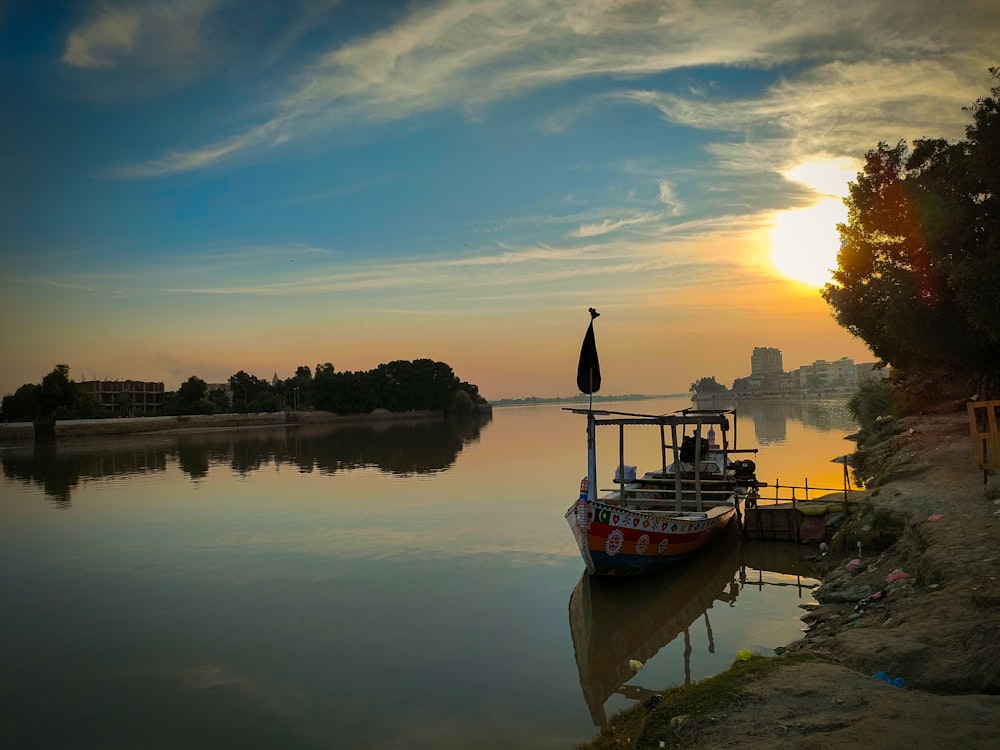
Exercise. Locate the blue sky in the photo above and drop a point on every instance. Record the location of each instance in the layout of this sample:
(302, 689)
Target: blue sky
(194, 187)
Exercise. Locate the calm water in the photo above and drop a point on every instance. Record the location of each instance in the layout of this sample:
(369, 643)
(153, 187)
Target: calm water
(411, 586)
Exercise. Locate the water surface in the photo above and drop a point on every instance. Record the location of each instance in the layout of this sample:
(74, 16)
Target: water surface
(399, 586)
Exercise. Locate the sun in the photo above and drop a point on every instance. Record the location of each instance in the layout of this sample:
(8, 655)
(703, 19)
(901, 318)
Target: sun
(805, 241)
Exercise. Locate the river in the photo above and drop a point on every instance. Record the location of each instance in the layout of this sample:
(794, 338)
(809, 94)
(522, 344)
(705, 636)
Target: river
(408, 585)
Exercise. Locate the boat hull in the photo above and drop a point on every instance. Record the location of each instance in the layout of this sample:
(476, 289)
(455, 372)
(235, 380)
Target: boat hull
(616, 541)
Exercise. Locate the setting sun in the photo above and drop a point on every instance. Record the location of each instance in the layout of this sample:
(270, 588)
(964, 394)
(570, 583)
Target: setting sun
(804, 241)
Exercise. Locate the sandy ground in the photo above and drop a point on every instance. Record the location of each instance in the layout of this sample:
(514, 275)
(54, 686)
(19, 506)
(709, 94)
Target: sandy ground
(938, 629)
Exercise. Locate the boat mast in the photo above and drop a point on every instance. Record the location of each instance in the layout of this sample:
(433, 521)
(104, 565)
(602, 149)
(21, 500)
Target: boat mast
(588, 380)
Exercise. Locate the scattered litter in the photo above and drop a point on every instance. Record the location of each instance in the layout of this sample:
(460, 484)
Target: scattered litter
(935, 517)
(897, 682)
(744, 655)
(897, 575)
(876, 597)
(852, 564)
(635, 664)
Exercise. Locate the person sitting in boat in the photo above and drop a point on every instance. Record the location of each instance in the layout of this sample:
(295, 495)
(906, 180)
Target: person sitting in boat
(688, 446)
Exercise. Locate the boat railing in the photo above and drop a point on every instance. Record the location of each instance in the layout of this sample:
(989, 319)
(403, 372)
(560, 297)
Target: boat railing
(712, 492)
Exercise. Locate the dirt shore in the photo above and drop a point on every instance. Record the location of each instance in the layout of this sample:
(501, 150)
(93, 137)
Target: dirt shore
(911, 589)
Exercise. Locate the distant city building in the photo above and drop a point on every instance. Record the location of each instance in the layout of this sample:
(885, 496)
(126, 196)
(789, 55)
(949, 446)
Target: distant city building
(839, 375)
(765, 360)
(126, 397)
(821, 378)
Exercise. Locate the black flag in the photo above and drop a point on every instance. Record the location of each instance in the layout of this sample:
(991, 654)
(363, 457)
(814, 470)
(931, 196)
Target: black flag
(588, 372)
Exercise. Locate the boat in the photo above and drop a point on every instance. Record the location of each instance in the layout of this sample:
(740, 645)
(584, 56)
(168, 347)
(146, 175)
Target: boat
(651, 521)
(615, 623)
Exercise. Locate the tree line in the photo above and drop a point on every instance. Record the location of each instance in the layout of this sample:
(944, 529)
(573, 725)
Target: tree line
(919, 265)
(401, 385)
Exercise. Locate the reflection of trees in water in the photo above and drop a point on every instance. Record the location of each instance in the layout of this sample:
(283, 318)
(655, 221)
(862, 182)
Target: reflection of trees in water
(770, 418)
(58, 468)
(412, 447)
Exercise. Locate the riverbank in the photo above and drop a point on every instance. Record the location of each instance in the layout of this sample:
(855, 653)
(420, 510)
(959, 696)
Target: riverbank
(911, 591)
(73, 428)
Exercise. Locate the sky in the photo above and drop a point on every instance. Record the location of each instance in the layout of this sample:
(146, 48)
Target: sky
(198, 187)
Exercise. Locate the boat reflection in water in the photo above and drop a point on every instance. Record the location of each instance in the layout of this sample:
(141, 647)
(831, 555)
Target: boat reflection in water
(614, 621)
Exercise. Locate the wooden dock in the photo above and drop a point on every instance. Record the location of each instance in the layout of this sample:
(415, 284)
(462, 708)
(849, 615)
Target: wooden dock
(794, 520)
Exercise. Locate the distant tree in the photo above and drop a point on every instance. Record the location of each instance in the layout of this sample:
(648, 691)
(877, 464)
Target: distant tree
(298, 388)
(56, 397)
(192, 397)
(461, 404)
(245, 389)
(706, 386)
(219, 399)
(919, 263)
(400, 385)
(23, 404)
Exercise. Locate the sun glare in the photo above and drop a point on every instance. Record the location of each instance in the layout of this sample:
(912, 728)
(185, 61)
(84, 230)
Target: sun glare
(804, 242)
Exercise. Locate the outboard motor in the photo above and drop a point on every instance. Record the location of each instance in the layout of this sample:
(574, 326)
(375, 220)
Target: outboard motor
(745, 476)
(744, 471)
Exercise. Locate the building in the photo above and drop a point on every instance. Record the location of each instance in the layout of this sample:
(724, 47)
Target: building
(765, 360)
(839, 375)
(126, 398)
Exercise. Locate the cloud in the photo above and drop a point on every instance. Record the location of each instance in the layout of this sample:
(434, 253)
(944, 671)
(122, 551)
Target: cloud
(467, 57)
(607, 226)
(172, 36)
(103, 41)
(669, 198)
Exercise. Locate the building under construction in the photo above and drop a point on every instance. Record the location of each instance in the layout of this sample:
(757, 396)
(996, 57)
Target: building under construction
(126, 398)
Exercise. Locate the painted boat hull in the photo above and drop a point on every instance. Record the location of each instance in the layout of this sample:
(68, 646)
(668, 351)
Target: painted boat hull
(616, 541)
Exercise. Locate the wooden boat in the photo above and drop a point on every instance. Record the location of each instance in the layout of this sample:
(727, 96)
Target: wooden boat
(615, 622)
(651, 521)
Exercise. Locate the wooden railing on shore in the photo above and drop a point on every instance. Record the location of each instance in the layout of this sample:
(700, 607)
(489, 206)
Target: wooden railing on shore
(795, 500)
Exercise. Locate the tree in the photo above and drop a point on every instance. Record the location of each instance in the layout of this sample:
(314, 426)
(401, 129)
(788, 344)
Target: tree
(192, 397)
(22, 405)
(245, 389)
(706, 386)
(58, 395)
(919, 263)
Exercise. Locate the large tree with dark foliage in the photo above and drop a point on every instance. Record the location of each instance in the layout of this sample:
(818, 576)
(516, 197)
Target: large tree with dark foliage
(919, 264)
(400, 385)
(56, 397)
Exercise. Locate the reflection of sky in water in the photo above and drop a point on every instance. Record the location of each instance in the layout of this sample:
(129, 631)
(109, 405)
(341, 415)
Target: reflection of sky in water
(199, 598)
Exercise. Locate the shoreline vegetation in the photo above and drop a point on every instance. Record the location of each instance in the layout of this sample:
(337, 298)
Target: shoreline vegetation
(900, 648)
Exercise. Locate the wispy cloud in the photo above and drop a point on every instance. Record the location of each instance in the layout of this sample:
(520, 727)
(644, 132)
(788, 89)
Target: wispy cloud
(466, 56)
(608, 225)
(152, 33)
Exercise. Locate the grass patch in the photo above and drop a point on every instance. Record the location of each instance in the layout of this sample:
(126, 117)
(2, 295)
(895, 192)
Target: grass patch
(675, 720)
